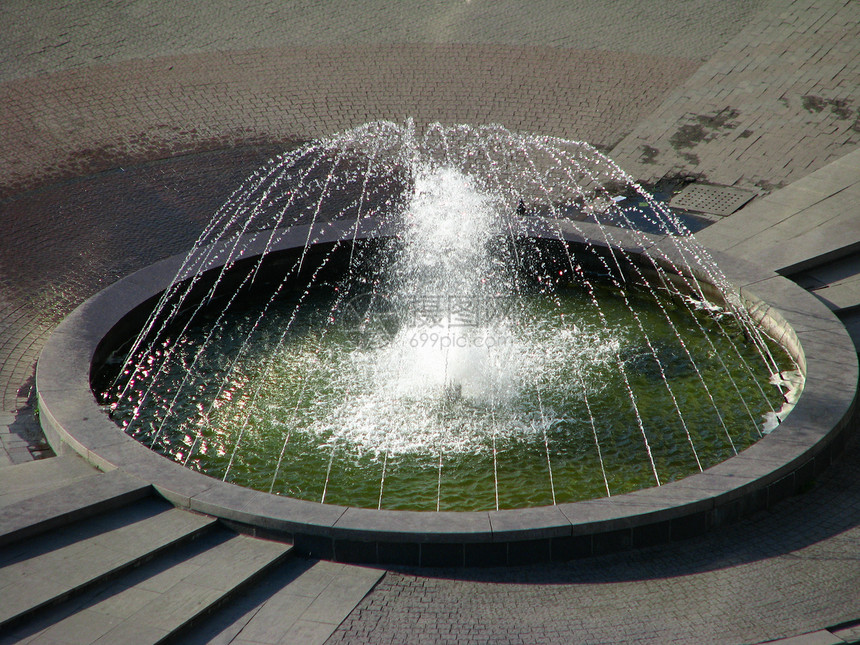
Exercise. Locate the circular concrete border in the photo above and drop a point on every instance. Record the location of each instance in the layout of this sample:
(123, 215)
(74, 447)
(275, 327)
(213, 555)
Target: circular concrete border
(777, 466)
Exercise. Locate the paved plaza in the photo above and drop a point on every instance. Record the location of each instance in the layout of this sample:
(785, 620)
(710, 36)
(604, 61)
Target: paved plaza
(125, 125)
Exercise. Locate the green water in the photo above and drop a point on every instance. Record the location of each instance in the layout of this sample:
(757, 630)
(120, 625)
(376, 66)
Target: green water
(317, 412)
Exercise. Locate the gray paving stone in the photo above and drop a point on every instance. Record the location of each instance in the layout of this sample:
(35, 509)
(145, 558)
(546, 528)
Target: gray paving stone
(277, 615)
(799, 240)
(851, 320)
(236, 558)
(80, 629)
(337, 600)
(127, 601)
(67, 503)
(142, 608)
(34, 579)
(139, 632)
(19, 454)
(847, 634)
(841, 295)
(30, 479)
(218, 572)
(152, 31)
(821, 637)
(306, 631)
(837, 271)
(750, 116)
(269, 603)
(314, 581)
(181, 602)
(309, 607)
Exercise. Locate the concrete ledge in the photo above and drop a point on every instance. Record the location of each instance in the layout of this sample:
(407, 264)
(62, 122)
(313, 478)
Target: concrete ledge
(775, 467)
(22, 481)
(73, 502)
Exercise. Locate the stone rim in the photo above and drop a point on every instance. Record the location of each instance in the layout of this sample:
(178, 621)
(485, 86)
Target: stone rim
(775, 467)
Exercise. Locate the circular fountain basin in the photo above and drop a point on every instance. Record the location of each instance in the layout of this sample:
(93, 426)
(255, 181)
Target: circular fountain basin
(774, 467)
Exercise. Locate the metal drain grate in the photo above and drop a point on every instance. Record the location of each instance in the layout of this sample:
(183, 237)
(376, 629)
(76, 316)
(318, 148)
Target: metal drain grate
(715, 200)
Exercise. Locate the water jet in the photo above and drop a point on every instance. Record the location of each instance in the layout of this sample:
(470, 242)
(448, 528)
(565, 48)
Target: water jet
(422, 344)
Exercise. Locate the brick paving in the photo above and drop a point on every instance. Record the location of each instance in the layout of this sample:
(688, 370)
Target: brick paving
(778, 101)
(90, 89)
(126, 125)
(62, 244)
(89, 120)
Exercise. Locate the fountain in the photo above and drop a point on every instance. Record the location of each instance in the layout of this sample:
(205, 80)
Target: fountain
(468, 321)
(490, 373)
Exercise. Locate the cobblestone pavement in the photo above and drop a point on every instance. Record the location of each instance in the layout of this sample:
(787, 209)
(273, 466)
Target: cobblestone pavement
(126, 124)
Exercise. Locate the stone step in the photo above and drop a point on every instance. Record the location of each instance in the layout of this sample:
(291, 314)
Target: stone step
(836, 282)
(32, 478)
(71, 502)
(851, 320)
(300, 602)
(810, 222)
(155, 601)
(49, 568)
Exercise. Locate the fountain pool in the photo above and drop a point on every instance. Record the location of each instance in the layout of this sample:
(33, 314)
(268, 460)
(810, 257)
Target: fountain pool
(449, 323)
(368, 408)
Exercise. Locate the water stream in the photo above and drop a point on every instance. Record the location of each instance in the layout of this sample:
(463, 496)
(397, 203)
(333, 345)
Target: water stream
(460, 364)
